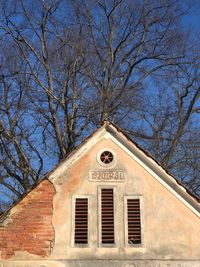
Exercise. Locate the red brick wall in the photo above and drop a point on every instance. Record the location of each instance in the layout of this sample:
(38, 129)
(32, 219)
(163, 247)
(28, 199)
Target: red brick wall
(28, 225)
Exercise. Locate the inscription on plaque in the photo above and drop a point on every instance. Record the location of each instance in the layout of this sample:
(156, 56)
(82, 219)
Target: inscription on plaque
(109, 175)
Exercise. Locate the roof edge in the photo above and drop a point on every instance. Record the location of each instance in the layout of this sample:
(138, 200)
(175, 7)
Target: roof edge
(109, 126)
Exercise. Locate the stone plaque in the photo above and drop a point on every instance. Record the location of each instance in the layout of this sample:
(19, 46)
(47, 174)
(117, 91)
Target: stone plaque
(106, 175)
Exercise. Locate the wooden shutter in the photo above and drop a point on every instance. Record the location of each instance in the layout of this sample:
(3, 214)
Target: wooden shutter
(81, 221)
(134, 221)
(107, 216)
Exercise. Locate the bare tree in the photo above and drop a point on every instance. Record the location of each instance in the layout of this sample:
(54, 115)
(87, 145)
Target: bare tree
(187, 104)
(169, 127)
(17, 131)
(127, 42)
(75, 63)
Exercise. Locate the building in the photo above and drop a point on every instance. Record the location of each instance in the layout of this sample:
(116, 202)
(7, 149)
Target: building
(108, 204)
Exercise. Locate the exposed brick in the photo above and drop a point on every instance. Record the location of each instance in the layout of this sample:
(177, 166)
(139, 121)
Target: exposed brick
(29, 227)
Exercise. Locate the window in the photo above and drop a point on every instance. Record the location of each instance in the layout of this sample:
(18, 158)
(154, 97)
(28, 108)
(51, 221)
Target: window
(81, 221)
(107, 216)
(106, 157)
(133, 221)
(110, 223)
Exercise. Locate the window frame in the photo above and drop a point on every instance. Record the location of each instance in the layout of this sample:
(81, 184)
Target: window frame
(108, 165)
(141, 199)
(73, 205)
(99, 225)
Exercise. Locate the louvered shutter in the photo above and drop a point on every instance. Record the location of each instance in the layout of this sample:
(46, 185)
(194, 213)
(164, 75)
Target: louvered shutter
(81, 221)
(134, 221)
(107, 216)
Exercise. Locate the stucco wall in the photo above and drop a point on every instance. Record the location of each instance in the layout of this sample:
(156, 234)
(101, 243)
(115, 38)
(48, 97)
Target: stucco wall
(99, 263)
(170, 231)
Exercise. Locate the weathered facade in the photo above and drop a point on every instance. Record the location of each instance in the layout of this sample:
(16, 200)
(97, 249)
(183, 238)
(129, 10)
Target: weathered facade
(108, 204)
